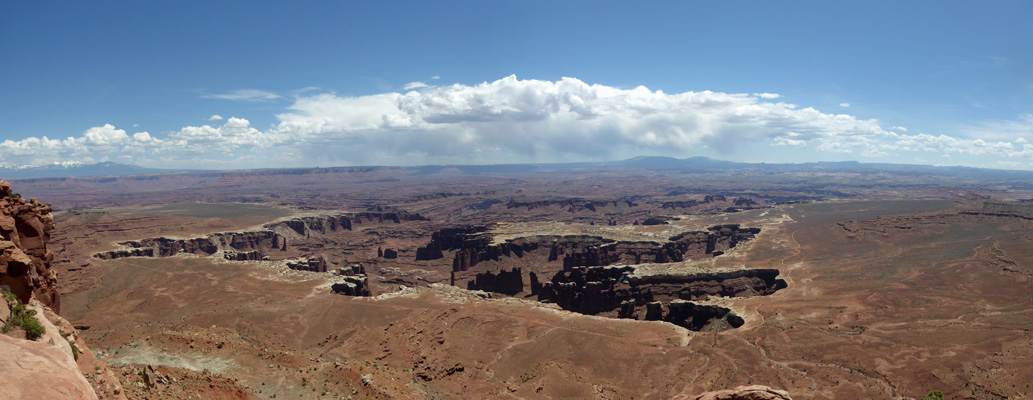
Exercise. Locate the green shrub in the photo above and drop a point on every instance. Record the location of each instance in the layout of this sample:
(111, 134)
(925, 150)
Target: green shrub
(71, 343)
(26, 319)
(933, 395)
(75, 350)
(22, 317)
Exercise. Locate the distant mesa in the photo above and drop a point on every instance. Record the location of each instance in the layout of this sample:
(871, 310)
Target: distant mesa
(711, 199)
(587, 283)
(253, 245)
(572, 205)
(472, 247)
(234, 246)
(666, 297)
(1021, 209)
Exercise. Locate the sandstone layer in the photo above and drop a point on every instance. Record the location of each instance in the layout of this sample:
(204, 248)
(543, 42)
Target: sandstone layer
(55, 364)
(25, 227)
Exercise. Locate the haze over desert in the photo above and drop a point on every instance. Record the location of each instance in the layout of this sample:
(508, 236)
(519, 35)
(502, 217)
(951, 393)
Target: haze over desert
(516, 200)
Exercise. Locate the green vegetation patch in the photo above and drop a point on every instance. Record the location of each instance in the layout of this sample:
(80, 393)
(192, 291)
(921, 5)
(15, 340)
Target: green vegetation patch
(21, 317)
(934, 395)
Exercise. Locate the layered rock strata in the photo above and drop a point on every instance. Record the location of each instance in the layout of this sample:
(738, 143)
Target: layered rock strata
(1020, 209)
(354, 282)
(323, 224)
(311, 264)
(684, 246)
(573, 205)
(473, 246)
(507, 282)
(25, 227)
(239, 246)
(52, 365)
(595, 290)
(253, 245)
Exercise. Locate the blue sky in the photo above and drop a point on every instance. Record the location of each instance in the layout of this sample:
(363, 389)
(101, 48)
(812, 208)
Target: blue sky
(288, 84)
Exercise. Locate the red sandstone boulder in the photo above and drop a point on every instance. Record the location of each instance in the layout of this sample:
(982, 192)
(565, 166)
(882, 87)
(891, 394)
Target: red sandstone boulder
(36, 370)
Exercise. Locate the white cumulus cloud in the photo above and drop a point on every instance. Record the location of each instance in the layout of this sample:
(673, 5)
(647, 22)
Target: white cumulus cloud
(514, 120)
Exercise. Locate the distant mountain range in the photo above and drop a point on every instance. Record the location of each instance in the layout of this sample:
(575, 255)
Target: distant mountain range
(706, 164)
(659, 164)
(75, 170)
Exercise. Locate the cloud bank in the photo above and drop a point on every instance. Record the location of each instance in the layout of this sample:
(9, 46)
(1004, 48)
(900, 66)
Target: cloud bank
(508, 120)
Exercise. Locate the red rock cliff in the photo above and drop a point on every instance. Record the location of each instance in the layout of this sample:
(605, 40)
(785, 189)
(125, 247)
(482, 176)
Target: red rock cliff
(25, 227)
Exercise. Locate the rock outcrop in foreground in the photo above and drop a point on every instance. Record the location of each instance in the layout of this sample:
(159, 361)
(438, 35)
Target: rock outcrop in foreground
(751, 392)
(35, 370)
(25, 227)
(51, 365)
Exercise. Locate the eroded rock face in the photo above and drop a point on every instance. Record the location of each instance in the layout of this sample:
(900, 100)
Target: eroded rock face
(468, 257)
(354, 282)
(311, 264)
(572, 205)
(596, 290)
(713, 198)
(253, 245)
(473, 246)
(460, 237)
(751, 392)
(323, 224)
(698, 317)
(679, 204)
(25, 227)
(430, 252)
(1021, 209)
(745, 202)
(507, 282)
(45, 368)
(254, 255)
(239, 246)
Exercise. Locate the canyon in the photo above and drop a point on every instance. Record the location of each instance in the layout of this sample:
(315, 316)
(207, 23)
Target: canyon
(382, 282)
